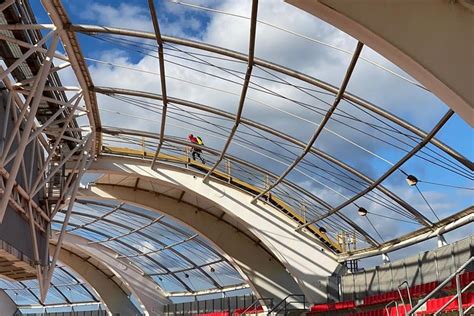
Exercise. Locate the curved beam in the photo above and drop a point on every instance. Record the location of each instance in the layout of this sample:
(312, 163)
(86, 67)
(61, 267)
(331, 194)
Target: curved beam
(406, 39)
(59, 17)
(323, 203)
(127, 246)
(264, 273)
(161, 61)
(321, 126)
(315, 151)
(283, 70)
(104, 267)
(451, 223)
(146, 236)
(99, 278)
(7, 306)
(300, 253)
(373, 185)
(245, 86)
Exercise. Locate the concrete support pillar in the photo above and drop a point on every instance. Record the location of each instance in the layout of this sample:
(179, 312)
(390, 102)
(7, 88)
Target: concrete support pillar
(113, 296)
(7, 306)
(144, 288)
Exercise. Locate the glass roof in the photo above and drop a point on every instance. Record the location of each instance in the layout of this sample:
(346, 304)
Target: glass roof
(278, 125)
(67, 288)
(178, 259)
(283, 123)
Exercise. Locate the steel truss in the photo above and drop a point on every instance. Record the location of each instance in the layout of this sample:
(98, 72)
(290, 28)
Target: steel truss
(57, 140)
(320, 84)
(339, 93)
(44, 120)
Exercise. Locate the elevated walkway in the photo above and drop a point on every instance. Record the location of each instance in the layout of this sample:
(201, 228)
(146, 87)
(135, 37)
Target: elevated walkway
(227, 177)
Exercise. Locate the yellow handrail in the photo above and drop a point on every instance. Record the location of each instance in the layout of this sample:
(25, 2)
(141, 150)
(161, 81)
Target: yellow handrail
(272, 199)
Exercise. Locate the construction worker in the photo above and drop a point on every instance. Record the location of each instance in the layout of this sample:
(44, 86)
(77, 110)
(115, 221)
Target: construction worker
(196, 152)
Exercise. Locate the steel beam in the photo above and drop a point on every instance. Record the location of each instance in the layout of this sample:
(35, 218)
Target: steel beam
(455, 221)
(321, 126)
(84, 159)
(154, 221)
(39, 84)
(134, 249)
(161, 60)
(248, 74)
(212, 291)
(95, 29)
(148, 237)
(394, 168)
(61, 20)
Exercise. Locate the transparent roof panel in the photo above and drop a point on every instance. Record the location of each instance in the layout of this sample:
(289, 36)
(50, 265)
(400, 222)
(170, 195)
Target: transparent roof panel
(177, 258)
(298, 142)
(66, 288)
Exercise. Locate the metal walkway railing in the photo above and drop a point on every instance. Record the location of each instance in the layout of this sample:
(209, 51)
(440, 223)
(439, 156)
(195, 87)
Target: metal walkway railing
(457, 296)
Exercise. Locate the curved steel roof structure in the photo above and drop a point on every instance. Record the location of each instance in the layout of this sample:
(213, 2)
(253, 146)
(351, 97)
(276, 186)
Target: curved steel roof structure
(333, 162)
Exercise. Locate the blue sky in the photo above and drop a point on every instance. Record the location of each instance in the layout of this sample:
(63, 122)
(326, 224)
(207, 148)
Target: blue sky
(404, 99)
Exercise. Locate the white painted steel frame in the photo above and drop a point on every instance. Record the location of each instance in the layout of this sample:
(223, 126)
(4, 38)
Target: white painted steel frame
(161, 60)
(394, 168)
(33, 89)
(146, 254)
(245, 85)
(95, 29)
(321, 126)
(78, 64)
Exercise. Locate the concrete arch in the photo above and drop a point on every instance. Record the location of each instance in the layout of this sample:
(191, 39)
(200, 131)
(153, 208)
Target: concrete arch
(303, 264)
(7, 306)
(113, 280)
(402, 31)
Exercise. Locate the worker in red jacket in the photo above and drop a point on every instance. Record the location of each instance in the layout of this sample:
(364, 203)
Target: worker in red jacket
(196, 152)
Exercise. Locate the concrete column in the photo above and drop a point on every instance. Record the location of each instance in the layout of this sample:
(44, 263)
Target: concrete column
(7, 306)
(113, 296)
(144, 288)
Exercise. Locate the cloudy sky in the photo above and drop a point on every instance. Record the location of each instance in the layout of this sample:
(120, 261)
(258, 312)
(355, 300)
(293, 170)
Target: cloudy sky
(291, 38)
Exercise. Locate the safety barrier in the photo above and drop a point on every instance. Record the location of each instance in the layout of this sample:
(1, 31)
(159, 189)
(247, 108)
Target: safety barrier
(416, 291)
(241, 176)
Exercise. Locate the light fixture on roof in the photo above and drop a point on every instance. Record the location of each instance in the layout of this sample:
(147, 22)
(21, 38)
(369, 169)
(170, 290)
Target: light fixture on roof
(362, 211)
(213, 270)
(322, 230)
(411, 180)
(186, 276)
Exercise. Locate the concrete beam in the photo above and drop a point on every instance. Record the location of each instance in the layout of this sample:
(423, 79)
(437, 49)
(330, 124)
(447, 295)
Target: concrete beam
(152, 299)
(403, 32)
(7, 306)
(301, 255)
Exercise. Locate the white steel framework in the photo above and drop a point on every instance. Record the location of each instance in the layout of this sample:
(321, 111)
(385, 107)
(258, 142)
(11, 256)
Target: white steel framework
(45, 113)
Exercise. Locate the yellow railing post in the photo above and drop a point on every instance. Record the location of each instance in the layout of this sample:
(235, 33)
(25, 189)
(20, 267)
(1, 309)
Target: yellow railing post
(228, 168)
(186, 153)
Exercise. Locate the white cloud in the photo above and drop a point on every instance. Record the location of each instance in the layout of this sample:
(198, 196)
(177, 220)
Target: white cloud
(278, 47)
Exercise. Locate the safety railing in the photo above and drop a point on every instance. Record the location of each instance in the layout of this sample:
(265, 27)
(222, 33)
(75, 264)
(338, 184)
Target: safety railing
(287, 197)
(252, 308)
(457, 296)
(387, 311)
(287, 304)
(401, 296)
